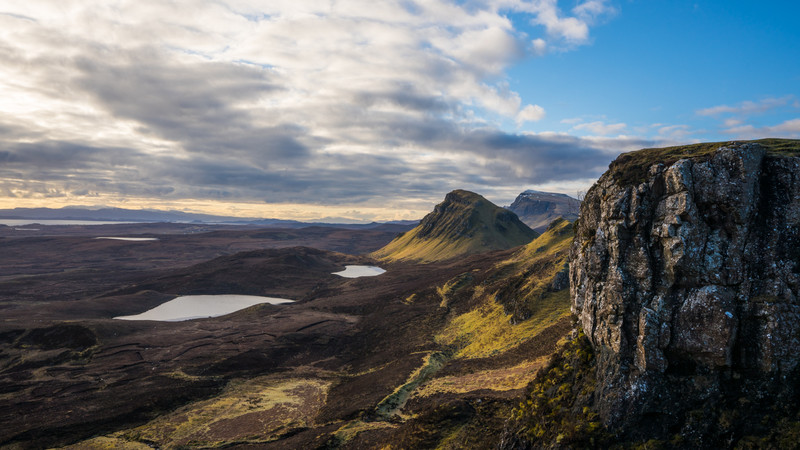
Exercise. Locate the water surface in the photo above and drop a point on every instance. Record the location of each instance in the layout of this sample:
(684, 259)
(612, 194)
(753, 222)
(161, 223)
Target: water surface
(360, 271)
(20, 222)
(190, 307)
(134, 239)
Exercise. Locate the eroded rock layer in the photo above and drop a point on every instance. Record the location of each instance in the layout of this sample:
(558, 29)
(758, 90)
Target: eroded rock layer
(687, 285)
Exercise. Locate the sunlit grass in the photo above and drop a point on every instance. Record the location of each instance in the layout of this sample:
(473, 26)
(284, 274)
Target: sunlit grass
(488, 330)
(275, 405)
(632, 167)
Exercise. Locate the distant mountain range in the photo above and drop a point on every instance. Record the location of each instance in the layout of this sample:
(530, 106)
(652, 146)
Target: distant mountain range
(538, 209)
(464, 223)
(149, 216)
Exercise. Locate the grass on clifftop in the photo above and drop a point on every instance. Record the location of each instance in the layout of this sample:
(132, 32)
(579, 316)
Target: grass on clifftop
(632, 167)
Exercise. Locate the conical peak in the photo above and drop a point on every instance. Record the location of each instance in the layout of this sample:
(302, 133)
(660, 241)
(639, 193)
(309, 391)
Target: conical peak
(464, 223)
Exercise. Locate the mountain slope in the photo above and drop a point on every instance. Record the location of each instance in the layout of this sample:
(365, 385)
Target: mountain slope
(463, 224)
(523, 295)
(537, 209)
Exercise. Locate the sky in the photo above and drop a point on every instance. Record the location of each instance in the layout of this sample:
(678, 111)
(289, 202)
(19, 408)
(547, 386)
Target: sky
(371, 110)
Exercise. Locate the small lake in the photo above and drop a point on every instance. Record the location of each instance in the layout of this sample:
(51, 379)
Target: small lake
(20, 222)
(190, 307)
(360, 271)
(132, 239)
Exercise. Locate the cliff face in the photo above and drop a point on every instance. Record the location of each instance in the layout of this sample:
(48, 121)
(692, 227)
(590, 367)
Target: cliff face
(538, 209)
(687, 284)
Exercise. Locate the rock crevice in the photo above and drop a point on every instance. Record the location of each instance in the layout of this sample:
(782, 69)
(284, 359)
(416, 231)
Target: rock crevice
(689, 279)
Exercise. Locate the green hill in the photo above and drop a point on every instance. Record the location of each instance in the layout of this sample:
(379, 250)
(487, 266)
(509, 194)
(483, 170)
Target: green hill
(523, 295)
(463, 224)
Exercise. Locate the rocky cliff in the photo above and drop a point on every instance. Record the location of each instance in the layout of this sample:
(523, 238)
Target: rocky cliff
(538, 209)
(685, 277)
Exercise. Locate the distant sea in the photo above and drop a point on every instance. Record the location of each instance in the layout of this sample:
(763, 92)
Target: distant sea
(20, 222)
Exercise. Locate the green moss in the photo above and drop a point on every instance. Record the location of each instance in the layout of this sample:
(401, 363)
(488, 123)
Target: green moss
(632, 168)
(783, 435)
(557, 408)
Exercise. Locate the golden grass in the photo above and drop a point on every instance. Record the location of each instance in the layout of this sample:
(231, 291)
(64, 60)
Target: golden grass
(258, 410)
(525, 285)
(487, 330)
(451, 287)
(351, 429)
(465, 225)
(410, 299)
(555, 240)
(425, 250)
(504, 379)
(108, 443)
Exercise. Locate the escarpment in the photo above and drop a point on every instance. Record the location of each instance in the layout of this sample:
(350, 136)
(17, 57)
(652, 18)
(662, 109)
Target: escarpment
(685, 277)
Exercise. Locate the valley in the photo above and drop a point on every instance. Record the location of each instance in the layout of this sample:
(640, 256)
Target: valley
(352, 361)
(402, 225)
(469, 330)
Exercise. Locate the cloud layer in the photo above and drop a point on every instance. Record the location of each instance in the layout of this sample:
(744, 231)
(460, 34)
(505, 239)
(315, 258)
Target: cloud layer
(308, 102)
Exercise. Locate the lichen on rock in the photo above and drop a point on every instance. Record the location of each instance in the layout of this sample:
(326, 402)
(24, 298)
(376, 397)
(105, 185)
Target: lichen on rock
(690, 278)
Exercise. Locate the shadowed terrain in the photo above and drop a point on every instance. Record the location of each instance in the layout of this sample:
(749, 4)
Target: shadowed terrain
(352, 363)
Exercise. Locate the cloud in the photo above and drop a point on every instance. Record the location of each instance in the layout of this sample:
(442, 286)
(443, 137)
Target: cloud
(530, 113)
(591, 10)
(574, 30)
(732, 122)
(787, 129)
(301, 101)
(539, 46)
(601, 128)
(746, 108)
(675, 133)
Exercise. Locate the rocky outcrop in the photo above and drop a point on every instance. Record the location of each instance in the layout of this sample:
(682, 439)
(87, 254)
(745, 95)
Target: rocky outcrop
(687, 284)
(538, 209)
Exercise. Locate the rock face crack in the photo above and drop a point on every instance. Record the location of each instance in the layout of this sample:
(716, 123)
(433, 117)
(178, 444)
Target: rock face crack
(693, 272)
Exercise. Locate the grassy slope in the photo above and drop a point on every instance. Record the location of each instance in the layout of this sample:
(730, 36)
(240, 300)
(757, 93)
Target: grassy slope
(632, 167)
(473, 226)
(557, 406)
(490, 329)
(480, 350)
(484, 355)
(493, 353)
(260, 408)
